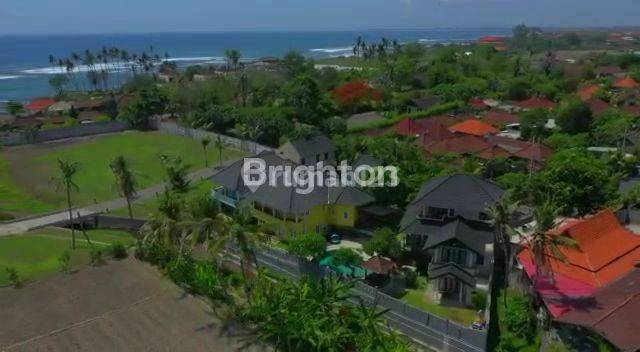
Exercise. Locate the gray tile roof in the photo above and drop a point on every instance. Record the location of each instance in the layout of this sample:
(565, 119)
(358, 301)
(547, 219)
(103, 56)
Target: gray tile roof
(468, 195)
(287, 199)
(474, 235)
(453, 270)
(306, 148)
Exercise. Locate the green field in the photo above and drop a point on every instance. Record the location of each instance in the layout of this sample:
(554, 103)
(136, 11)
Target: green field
(418, 298)
(35, 254)
(26, 172)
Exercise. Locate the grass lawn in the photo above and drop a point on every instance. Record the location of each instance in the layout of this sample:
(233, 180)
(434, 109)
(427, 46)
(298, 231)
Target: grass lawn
(147, 208)
(36, 254)
(25, 172)
(418, 298)
(14, 199)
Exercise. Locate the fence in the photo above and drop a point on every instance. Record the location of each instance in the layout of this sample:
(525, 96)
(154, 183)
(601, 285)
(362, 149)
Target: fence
(17, 138)
(432, 330)
(231, 142)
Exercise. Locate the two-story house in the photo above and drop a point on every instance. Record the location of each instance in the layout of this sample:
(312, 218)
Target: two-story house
(308, 151)
(289, 209)
(448, 222)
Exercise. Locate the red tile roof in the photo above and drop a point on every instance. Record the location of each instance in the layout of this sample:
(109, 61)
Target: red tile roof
(39, 104)
(626, 83)
(587, 92)
(491, 39)
(478, 103)
(433, 132)
(499, 118)
(493, 152)
(633, 109)
(612, 312)
(536, 103)
(409, 127)
(605, 250)
(379, 265)
(535, 152)
(474, 127)
(464, 144)
(598, 106)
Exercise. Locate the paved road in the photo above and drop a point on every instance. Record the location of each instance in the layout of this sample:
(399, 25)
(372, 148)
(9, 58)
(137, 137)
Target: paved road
(23, 225)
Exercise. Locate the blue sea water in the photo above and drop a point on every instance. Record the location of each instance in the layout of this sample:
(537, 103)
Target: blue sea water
(25, 69)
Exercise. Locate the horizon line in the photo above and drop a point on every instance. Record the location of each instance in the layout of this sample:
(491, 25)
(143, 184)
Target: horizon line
(558, 27)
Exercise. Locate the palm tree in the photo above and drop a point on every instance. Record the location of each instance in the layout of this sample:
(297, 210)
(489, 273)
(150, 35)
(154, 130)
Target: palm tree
(125, 180)
(204, 142)
(501, 213)
(542, 244)
(68, 170)
(233, 57)
(219, 145)
(243, 232)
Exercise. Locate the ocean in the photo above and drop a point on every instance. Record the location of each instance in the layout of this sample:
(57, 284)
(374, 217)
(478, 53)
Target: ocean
(25, 69)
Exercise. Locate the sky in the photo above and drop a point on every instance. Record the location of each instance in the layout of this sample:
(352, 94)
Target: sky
(124, 16)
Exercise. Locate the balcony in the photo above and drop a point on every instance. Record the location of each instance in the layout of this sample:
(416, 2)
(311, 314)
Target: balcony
(225, 197)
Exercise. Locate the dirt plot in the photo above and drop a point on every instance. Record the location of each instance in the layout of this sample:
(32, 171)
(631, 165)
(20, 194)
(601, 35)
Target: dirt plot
(121, 306)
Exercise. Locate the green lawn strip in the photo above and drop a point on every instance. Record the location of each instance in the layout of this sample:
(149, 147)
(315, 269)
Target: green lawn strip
(521, 344)
(14, 199)
(95, 180)
(36, 254)
(147, 208)
(418, 298)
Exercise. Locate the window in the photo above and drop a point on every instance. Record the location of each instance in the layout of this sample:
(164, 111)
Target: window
(346, 215)
(302, 161)
(438, 213)
(317, 158)
(448, 284)
(326, 156)
(479, 260)
(454, 255)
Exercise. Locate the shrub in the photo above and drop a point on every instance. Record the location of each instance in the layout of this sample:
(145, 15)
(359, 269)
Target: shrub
(411, 278)
(64, 261)
(156, 254)
(520, 317)
(117, 250)
(346, 257)
(479, 300)
(307, 245)
(14, 277)
(182, 270)
(209, 282)
(95, 256)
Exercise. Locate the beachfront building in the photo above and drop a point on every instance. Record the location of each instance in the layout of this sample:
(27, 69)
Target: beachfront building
(596, 285)
(448, 222)
(293, 209)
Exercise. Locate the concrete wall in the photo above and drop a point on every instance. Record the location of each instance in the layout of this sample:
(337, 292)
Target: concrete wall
(19, 138)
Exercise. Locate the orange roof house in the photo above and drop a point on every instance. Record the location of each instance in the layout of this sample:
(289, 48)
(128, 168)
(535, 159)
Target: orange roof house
(605, 250)
(626, 83)
(474, 127)
(39, 105)
(536, 103)
(587, 93)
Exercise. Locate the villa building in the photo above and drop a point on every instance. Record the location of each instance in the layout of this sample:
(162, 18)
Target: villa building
(448, 222)
(287, 209)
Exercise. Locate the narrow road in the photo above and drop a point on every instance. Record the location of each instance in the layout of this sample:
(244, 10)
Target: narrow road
(27, 224)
